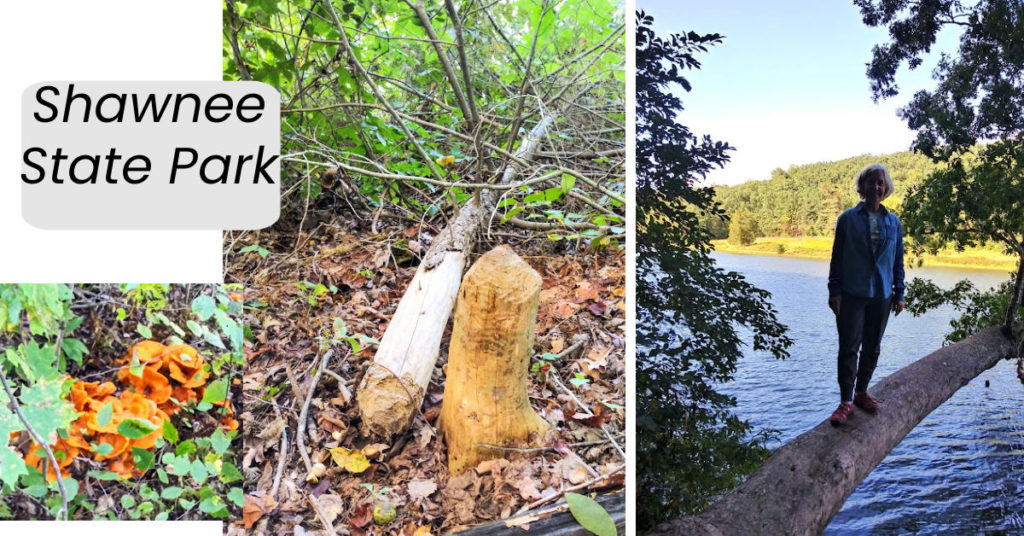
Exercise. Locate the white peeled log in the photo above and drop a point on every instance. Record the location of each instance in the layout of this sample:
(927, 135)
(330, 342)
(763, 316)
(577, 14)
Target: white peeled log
(394, 385)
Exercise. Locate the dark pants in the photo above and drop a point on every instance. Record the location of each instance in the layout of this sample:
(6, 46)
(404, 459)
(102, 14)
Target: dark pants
(861, 323)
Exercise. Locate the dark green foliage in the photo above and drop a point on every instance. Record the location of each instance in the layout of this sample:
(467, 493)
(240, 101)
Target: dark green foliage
(978, 310)
(742, 229)
(805, 200)
(688, 309)
(979, 95)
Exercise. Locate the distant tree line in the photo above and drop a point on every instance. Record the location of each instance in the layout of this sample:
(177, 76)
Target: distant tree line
(806, 200)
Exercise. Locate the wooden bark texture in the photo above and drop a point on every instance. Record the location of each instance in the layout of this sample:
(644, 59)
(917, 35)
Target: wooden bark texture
(805, 482)
(485, 398)
(392, 390)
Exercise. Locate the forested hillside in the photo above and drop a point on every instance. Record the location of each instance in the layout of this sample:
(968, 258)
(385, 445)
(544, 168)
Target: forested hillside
(806, 200)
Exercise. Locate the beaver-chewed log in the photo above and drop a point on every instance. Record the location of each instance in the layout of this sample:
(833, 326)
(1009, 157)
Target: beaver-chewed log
(485, 399)
(392, 389)
(805, 482)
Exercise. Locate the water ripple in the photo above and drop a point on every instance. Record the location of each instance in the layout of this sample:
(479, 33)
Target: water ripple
(960, 471)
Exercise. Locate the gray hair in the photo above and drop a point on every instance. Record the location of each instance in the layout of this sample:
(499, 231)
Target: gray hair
(871, 170)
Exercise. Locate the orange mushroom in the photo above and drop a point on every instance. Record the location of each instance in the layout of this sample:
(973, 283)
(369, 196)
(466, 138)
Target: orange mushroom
(118, 442)
(151, 385)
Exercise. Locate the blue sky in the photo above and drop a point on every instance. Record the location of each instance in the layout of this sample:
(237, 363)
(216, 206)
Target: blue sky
(787, 84)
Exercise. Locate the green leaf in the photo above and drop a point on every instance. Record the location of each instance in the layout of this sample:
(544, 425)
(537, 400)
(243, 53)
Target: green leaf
(591, 515)
(104, 415)
(103, 449)
(170, 432)
(236, 496)
(203, 307)
(162, 475)
(216, 391)
(229, 473)
(103, 475)
(11, 464)
(121, 313)
(44, 405)
(186, 504)
(144, 458)
(74, 350)
(171, 493)
(41, 360)
(135, 428)
(145, 508)
(185, 448)
(219, 442)
(263, 252)
(214, 506)
(162, 516)
(144, 331)
(198, 471)
(568, 181)
(127, 501)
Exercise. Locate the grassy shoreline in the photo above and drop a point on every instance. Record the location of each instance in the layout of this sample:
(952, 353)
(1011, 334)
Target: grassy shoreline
(983, 258)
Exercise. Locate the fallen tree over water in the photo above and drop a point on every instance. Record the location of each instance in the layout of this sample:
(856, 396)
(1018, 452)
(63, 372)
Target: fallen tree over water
(805, 482)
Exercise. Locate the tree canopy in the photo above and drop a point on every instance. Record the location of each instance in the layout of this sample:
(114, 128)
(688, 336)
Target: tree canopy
(979, 97)
(688, 309)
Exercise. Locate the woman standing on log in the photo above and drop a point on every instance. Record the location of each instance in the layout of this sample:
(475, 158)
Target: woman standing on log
(865, 282)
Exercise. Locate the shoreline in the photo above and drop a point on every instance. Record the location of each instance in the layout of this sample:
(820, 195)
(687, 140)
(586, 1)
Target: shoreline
(821, 249)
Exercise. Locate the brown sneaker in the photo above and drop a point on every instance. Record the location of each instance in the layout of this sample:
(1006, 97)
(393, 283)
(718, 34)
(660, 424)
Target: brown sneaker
(841, 414)
(865, 402)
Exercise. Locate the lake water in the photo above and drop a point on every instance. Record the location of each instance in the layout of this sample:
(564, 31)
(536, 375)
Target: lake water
(960, 471)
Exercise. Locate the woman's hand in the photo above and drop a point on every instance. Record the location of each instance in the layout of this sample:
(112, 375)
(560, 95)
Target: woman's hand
(897, 307)
(833, 303)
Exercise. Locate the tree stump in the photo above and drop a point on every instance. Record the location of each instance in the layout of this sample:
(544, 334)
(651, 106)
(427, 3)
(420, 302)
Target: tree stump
(485, 400)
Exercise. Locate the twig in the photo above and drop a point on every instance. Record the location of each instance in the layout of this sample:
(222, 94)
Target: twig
(586, 484)
(62, 514)
(301, 431)
(281, 461)
(320, 513)
(446, 66)
(582, 406)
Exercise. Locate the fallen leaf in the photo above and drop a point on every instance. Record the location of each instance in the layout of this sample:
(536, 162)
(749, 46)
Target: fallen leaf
(561, 447)
(557, 345)
(585, 292)
(422, 531)
(375, 450)
(253, 508)
(331, 505)
(527, 488)
(421, 489)
(597, 308)
(361, 516)
(352, 460)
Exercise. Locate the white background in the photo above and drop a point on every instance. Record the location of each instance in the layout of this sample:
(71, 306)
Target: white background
(107, 40)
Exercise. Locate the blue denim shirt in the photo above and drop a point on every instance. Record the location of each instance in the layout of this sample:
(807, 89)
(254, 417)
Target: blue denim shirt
(856, 269)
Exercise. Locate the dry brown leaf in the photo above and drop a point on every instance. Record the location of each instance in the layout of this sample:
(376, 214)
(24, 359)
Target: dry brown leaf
(557, 345)
(375, 450)
(585, 292)
(527, 488)
(421, 489)
(361, 516)
(331, 505)
(253, 508)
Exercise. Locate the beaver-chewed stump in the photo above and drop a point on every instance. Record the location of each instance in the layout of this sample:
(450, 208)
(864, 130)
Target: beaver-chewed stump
(485, 399)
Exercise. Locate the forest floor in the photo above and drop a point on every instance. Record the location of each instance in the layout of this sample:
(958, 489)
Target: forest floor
(314, 272)
(981, 258)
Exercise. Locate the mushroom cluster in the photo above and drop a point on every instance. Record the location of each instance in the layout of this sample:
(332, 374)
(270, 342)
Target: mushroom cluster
(171, 377)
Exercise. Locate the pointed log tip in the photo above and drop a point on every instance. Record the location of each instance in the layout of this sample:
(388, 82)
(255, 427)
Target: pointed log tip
(502, 267)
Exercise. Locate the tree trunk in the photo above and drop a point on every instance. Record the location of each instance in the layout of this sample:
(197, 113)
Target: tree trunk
(393, 387)
(805, 482)
(485, 399)
(1017, 292)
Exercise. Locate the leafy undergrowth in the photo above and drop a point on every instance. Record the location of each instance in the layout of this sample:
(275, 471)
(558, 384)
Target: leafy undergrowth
(337, 284)
(137, 428)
